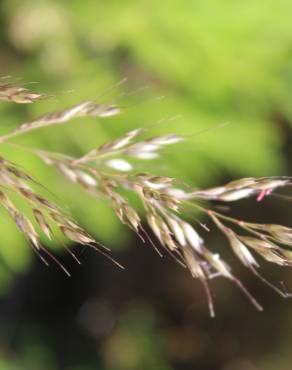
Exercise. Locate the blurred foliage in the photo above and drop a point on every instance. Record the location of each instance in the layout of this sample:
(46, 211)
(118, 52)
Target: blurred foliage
(215, 63)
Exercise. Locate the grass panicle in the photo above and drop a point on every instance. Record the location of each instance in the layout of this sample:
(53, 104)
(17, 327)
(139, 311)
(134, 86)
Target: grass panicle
(109, 171)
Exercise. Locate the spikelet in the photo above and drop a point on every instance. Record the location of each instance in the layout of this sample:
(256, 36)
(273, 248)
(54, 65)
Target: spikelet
(162, 203)
(45, 213)
(84, 109)
(10, 92)
(243, 188)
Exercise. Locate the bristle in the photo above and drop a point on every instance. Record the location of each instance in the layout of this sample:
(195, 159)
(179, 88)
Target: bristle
(62, 267)
(248, 294)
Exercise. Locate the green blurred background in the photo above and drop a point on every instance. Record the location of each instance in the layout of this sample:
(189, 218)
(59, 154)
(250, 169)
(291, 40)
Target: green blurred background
(214, 63)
